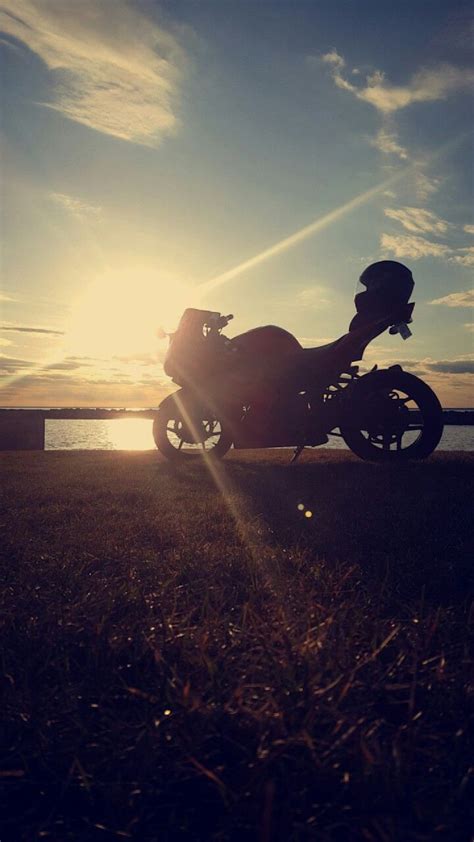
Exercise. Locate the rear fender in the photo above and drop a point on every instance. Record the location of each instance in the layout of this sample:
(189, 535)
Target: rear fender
(376, 379)
(357, 403)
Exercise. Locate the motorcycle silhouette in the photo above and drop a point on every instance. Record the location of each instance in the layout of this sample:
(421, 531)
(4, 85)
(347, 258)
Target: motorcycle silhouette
(262, 389)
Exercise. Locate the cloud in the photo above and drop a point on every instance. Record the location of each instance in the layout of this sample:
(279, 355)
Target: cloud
(466, 258)
(421, 221)
(115, 70)
(456, 299)
(460, 365)
(469, 326)
(428, 85)
(418, 220)
(4, 297)
(10, 365)
(425, 86)
(465, 365)
(387, 142)
(21, 329)
(402, 245)
(425, 186)
(469, 229)
(68, 364)
(75, 206)
(142, 359)
(334, 59)
(316, 296)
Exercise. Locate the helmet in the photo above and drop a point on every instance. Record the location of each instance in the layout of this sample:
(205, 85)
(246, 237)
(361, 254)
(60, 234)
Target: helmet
(393, 279)
(382, 288)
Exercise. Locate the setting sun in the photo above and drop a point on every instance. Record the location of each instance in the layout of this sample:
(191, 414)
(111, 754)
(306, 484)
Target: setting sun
(119, 313)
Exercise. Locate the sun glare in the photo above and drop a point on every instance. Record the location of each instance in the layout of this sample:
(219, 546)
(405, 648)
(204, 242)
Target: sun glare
(131, 434)
(120, 312)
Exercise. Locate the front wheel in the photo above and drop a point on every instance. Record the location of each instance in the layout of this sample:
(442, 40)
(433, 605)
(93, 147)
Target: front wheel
(398, 417)
(182, 430)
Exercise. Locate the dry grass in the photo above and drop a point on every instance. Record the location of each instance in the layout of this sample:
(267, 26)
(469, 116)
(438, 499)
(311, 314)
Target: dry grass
(180, 663)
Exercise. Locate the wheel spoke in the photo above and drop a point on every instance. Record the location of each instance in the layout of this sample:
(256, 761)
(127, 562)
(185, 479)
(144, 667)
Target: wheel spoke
(205, 437)
(404, 422)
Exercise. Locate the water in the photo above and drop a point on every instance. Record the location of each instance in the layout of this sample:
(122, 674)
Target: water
(136, 434)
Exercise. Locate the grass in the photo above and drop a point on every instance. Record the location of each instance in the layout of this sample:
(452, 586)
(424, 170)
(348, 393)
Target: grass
(180, 663)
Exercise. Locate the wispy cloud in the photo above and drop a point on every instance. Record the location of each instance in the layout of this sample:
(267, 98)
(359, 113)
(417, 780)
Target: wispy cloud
(458, 365)
(405, 245)
(11, 365)
(75, 206)
(402, 245)
(427, 85)
(22, 329)
(312, 297)
(465, 257)
(386, 141)
(418, 220)
(336, 61)
(464, 365)
(469, 229)
(456, 299)
(116, 71)
(4, 297)
(425, 185)
(68, 364)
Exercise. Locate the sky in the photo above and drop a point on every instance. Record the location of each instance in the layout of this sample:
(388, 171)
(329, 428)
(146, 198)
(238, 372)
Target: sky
(245, 157)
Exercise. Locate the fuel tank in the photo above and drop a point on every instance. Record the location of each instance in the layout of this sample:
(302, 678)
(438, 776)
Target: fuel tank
(268, 341)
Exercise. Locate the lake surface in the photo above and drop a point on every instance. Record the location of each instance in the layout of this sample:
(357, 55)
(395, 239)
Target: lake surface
(136, 434)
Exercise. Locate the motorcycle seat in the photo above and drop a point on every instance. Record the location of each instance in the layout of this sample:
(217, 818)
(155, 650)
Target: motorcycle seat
(329, 359)
(316, 355)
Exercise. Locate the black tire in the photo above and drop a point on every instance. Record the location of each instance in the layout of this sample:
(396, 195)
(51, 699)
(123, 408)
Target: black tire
(176, 440)
(381, 441)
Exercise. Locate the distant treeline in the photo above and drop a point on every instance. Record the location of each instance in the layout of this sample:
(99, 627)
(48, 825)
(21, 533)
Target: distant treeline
(455, 417)
(82, 414)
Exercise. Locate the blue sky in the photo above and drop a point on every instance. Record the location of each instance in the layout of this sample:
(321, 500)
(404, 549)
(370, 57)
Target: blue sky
(150, 148)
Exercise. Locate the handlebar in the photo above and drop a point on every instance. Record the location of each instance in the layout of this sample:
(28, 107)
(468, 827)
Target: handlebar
(224, 320)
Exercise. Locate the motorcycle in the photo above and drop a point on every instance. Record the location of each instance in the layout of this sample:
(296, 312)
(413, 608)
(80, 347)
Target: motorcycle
(262, 389)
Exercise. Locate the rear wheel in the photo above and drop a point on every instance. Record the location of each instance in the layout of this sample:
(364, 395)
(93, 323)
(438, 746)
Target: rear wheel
(399, 419)
(182, 433)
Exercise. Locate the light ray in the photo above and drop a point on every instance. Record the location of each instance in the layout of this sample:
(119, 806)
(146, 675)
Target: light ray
(250, 530)
(324, 221)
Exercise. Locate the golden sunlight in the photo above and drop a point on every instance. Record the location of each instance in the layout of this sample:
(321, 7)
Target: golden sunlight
(120, 312)
(131, 434)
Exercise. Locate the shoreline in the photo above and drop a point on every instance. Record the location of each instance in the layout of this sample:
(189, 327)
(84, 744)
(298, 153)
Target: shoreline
(455, 417)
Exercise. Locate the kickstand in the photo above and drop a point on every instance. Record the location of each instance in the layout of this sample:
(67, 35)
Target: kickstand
(296, 454)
